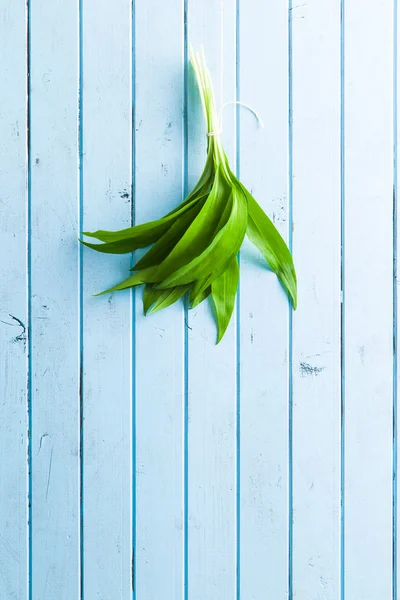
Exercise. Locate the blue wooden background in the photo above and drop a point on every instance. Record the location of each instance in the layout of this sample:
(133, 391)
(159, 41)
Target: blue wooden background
(139, 459)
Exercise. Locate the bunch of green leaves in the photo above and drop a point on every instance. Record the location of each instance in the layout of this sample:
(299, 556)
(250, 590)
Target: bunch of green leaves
(194, 248)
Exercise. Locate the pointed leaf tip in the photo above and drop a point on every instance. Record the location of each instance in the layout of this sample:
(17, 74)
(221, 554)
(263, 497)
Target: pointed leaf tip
(265, 236)
(223, 292)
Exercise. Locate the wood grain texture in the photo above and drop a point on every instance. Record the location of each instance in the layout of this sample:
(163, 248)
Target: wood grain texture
(159, 97)
(396, 281)
(368, 332)
(13, 304)
(264, 315)
(261, 467)
(316, 323)
(107, 387)
(54, 300)
(212, 511)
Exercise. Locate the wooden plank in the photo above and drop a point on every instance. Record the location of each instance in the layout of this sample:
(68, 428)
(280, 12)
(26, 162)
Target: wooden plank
(264, 307)
(106, 183)
(55, 316)
(211, 566)
(396, 282)
(368, 194)
(152, 375)
(159, 337)
(13, 304)
(316, 324)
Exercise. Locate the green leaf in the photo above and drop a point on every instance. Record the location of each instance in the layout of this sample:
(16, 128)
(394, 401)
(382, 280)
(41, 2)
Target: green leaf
(150, 295)
(164, 246)
(200, 233)
(200, 285)
(119, 247)
(195, 246)
(205, 182)
(197, 298)
(138, 236)
(131, 281)
(168, 297)
(198, 293)
(161, 298)
(223, 247)
(265, 236)
(197, 237)
(223, 291)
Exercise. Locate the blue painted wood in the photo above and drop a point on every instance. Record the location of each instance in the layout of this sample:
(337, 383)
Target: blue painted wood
(159, 343)
(368, 295)
(54, 344)
(396, 369)
(13, 306)
(212, 370)
(106, 385)
(262, 467)
(316, 324)
(264, 316)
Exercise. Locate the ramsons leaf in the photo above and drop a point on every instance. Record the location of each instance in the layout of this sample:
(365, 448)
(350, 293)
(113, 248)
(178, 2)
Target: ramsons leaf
(225, 245)
(158, 299)
(194, 247)
(264, 235)
(196, 239)
(223, 291)
(150, 295)
(130, 282)
(198, 297)
(140, 236)
(164, 246)
(168, 297)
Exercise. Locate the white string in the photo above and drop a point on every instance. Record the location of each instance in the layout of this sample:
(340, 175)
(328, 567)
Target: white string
(255, 113)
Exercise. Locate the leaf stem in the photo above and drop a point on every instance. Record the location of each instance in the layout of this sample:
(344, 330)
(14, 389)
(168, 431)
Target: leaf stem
(206, 91)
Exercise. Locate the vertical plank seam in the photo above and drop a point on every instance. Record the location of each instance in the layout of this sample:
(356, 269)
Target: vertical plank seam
(290, 316)
(185, 175)
(342, 300)
(238, 398)
(80, 299)
(29, 298)
(133, 301)
(395, 303)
